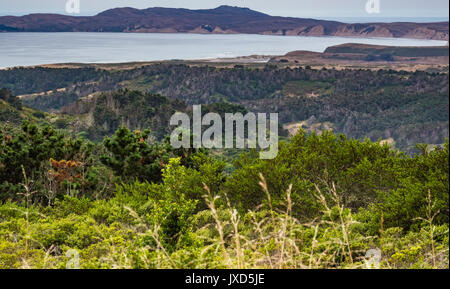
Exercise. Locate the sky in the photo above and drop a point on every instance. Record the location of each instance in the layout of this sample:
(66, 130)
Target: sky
(294, 8)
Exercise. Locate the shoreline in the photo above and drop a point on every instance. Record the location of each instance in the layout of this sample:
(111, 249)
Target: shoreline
(242, 48)
(296, 58)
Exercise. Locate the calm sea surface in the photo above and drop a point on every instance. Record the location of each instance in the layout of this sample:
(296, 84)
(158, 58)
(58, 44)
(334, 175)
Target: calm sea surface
(22, 49)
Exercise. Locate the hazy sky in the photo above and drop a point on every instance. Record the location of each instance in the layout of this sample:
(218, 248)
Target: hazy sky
(295, 8)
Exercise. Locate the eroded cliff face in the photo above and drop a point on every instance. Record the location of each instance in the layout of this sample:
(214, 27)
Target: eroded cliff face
(211, 30)
(316, 30)
(373, 30)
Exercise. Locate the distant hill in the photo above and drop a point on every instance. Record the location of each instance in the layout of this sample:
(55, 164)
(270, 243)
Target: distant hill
(410, 51)
(365, 55)
(221, 20)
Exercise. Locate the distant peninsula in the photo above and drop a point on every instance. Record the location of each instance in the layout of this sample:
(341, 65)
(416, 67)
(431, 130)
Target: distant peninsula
(221, 20)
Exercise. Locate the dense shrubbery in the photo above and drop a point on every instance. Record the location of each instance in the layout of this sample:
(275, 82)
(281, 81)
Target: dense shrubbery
(130, 203)
(54, 163)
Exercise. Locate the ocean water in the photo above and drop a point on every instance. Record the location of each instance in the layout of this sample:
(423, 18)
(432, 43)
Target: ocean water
(24, 49)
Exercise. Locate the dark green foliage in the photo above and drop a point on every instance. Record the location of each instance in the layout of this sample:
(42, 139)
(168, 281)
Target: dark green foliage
(382, 57)
(365, 175)
(23, 80)
(426, 175)
(51, 101)
(131, 157)
(130, 108)
(357, 169)
(28, 151)
(223, 107)
(10, 107)
(7, 96)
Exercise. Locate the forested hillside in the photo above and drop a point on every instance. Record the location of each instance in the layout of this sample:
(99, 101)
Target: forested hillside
(405, 107)
(106, 112)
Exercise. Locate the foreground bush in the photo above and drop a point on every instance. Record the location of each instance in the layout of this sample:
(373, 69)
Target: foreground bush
(135, 230)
